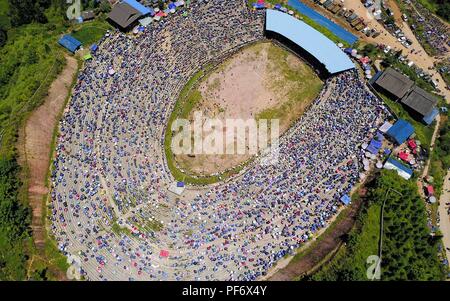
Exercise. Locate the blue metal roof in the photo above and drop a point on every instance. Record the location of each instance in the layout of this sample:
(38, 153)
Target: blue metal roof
(314, 42)
(400, 131)
(346, 199)
(325, 22)
(139, 7)
(70, 43)
(430, 117)
(374, 146)
(399, 166)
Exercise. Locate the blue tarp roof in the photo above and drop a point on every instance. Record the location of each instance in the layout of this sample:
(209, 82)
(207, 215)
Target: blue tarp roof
(139, 7)
(94, 47)
(180, 184)
(325, 22)
(318, 45)
(430, 117)
(259, 5)
(374, 146)
(70, 43)
(400, 131)
(346, 199)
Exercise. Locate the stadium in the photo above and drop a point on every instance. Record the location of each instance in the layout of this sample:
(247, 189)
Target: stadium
(114, 211)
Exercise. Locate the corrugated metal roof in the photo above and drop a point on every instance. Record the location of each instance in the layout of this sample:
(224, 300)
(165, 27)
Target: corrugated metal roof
(394, 82)
(70, 43)
(141, 8)
(124, 15)
(314, 42)
(420, 101)
(400, 131)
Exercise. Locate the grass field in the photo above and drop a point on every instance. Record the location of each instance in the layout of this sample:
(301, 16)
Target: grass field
(91, 32)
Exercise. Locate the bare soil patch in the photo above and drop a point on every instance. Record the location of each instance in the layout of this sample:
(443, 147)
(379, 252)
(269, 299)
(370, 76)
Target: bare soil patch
(35, 140)
(262, 81)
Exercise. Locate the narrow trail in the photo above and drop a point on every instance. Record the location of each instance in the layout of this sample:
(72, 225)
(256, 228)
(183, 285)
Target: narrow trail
(427, 165)
(34, 146)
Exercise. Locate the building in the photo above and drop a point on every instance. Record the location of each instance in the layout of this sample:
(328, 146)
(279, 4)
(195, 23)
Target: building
(421, 104)
(70, 43)
(400, 131)
(88, 15)
(392, 83)
(402, 170)
(124, 15)
(312, 45)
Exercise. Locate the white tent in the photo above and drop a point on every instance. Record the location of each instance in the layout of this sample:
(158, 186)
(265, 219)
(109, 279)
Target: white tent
(145, 21)
(385, 127)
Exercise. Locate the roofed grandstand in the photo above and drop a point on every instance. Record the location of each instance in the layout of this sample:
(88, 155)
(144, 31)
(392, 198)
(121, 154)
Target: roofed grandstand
(111, 205)
(312, 41)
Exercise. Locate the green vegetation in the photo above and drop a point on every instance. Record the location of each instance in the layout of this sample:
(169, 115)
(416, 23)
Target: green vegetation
(117, 229)
(409, 252)
(30, 59)
(14, 221)
(440, 157)
(302, 85)
(90, 32)
(438, 7)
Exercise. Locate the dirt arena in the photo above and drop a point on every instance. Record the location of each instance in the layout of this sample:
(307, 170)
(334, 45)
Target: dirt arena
(262, 81)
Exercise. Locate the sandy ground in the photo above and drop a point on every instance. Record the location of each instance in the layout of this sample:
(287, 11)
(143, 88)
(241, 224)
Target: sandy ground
(34, 153)
(419, 56)
(241, 88)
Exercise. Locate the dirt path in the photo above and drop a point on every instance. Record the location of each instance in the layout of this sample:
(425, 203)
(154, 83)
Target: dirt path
(444, 217)
(35, 143)
(427, 165)
(419, 56)
(328, 243)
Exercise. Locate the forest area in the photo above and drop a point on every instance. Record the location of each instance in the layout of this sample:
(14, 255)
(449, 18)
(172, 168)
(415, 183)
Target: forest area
(409, 252)
(30, 59)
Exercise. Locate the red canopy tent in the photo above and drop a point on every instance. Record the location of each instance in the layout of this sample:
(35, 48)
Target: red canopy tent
(412, 144)
(430, 190)
(164, 253)
(404, 156)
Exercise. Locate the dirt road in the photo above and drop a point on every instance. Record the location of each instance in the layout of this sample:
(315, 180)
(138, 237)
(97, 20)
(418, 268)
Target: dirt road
(427, 165)
(419, 56)
(35, 146)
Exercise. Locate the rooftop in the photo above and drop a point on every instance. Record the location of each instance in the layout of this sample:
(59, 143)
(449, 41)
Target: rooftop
(311, 40)
(394, 82)
(420, 101)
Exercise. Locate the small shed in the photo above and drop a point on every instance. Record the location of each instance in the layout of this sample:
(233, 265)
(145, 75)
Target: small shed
(400, 131)
(70, 43)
